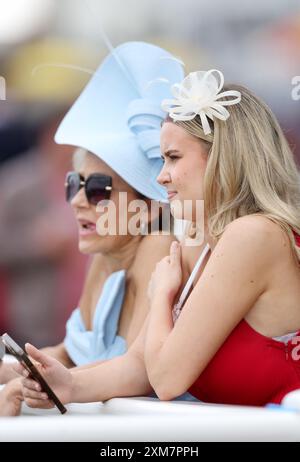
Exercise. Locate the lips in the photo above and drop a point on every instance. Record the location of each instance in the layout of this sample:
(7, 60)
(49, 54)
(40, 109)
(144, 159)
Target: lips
(171, 194)
(86, 227)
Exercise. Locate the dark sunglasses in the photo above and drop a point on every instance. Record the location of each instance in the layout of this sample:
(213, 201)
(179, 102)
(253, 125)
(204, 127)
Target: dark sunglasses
(97, 186)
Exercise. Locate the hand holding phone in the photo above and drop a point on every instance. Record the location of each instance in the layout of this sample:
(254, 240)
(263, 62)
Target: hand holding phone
(15, 350)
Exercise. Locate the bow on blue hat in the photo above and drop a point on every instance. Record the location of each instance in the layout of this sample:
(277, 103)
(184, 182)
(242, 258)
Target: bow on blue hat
(118, 115)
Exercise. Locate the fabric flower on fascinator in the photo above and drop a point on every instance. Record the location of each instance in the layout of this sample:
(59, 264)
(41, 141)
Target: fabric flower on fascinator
(198, 94)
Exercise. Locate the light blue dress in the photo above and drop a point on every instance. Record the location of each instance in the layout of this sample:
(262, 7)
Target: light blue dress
(102, 342)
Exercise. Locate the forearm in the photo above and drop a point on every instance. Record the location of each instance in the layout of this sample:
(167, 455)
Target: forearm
(89, 366)
(122, 376)
(60, 353)
(159, 328)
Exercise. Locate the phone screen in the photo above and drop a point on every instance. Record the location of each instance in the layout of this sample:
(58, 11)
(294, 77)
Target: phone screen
(15, 350)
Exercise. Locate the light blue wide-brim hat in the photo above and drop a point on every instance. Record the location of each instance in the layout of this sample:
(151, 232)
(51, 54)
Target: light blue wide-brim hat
(118, 115)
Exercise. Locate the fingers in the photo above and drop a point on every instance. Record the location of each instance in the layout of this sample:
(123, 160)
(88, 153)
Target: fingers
(175, 253)
(30, 394)
(19, 369)
(40, 404)
(31, 384)
(33, 390)
(164, 260)
(38, 355)
(14, 389)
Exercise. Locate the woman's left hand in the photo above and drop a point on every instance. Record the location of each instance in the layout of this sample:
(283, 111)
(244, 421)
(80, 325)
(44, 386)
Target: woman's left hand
(167, 276)
(11, 398)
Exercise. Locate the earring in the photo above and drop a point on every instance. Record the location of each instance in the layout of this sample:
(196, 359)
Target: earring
(192, 231)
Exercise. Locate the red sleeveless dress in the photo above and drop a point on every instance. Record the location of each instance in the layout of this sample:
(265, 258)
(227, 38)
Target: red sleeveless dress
(250, 369)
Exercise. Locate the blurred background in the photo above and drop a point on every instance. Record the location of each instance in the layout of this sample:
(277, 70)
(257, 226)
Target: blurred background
(254, 42)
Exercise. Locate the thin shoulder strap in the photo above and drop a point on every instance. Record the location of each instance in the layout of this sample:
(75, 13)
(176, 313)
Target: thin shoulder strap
(190, 280)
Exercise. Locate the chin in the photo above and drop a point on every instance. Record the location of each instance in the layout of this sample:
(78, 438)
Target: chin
(182, 211)
(88, 247)
(177, 209)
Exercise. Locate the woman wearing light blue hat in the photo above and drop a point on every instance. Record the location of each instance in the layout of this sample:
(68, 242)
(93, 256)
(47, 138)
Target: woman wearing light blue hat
(115, 123)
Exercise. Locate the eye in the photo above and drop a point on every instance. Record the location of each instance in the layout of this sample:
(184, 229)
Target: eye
(169, 158)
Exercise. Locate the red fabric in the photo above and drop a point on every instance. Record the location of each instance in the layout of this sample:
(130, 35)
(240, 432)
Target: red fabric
(297, 238)
(250, 369)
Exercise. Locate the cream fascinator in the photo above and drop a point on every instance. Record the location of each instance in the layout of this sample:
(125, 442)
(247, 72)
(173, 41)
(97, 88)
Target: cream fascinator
(199, 94)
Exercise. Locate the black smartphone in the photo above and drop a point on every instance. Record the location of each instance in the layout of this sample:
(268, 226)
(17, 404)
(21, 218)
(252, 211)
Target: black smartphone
(15, 350)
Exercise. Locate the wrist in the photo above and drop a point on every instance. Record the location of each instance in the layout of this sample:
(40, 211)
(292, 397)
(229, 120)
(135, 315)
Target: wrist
(73, 387)
(78, 388)
(163, 297)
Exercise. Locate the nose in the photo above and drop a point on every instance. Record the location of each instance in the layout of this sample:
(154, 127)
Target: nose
(164, 176)
(79, 200)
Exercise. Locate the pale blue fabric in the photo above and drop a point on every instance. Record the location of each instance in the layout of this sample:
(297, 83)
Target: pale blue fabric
(102, 342)
(184, 397)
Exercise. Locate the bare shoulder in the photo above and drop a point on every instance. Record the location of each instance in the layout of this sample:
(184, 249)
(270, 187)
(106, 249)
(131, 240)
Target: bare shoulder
(151, 250)
(240, 263)
(244, 237)
(155, 246)
(256, 234)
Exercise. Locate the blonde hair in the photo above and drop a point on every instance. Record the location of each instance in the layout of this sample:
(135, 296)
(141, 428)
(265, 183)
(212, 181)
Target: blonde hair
(250, 168)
